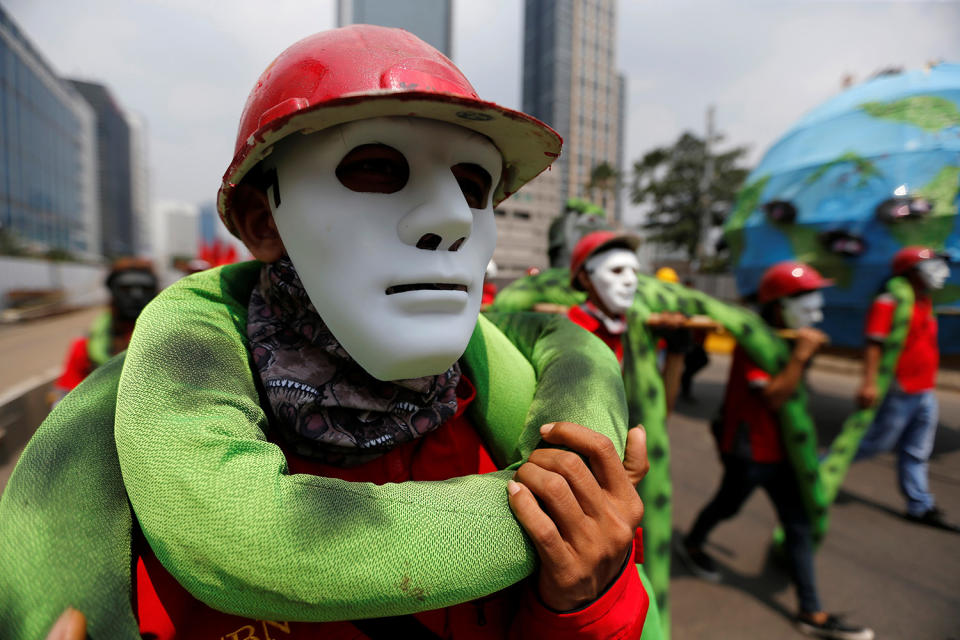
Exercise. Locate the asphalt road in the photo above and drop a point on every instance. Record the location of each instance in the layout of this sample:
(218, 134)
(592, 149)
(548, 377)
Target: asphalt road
(901, 579)
(32, 348)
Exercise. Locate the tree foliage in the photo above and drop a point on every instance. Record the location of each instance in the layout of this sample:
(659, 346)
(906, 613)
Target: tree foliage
(605, 179)
(670, 182)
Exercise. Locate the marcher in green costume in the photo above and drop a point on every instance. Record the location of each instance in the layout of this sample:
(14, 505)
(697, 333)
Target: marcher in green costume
(647, 404)
(66, 526)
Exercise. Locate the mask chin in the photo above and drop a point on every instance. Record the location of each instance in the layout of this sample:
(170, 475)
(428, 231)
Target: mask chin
(803, 311)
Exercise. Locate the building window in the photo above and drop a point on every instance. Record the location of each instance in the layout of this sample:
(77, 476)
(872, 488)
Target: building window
(522, 215)
(499, 212)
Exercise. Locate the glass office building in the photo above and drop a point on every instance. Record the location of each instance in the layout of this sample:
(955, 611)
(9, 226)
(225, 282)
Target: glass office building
(48, 198)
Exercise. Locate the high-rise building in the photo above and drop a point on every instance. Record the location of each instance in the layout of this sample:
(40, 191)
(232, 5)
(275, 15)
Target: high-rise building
(139, 185)
(48, 166)
(430, 20)
(571, 83)
(115, 143)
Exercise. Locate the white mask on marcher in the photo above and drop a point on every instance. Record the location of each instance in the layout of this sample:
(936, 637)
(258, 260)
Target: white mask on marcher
(613, 274)
(390, 244)
(804, 310)
(934, 273)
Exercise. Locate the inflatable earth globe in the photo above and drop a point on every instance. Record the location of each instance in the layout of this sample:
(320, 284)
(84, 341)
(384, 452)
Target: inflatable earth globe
(870, 171)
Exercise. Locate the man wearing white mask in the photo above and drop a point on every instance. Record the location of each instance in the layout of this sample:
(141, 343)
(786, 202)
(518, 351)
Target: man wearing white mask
(751, 448)
(309, 442)
(604, 265)
(907, 418)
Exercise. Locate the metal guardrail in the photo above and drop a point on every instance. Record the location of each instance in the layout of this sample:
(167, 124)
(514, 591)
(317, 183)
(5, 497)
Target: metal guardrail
(22, 409)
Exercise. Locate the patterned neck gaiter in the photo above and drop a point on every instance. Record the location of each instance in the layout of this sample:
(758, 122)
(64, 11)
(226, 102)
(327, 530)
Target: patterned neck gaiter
(324, 404)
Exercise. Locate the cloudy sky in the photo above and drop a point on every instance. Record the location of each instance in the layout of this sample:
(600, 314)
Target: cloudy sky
(186, 66)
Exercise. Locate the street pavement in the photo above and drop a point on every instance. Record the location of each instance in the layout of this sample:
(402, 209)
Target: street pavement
(899, 578)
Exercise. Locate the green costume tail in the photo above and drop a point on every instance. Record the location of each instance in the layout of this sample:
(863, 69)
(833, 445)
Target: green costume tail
(175, 430)
(842, 450)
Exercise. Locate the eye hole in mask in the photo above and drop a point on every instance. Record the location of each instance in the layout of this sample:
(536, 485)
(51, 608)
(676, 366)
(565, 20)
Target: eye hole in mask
(373, 168)
(474, 182)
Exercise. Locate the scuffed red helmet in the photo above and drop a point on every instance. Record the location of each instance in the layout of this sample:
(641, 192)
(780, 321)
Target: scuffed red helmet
(909, 257)
(365, 71)
(789, 278)
(593, 243)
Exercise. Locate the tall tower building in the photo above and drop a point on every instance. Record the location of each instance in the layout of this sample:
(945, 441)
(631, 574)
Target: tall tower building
(48, 165)
(571, 83)
(115, 179)
(430, 20)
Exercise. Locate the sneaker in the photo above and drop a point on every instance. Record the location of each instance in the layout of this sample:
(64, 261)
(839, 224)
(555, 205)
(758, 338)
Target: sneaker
(833, 628)
(697, 562)
(933, 518)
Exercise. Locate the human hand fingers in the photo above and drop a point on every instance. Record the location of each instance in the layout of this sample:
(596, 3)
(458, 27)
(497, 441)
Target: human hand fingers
(635, 461)
(71, 625)
(605, 463)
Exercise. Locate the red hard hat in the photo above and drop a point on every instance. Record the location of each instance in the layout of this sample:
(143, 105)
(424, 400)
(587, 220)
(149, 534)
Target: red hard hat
(365, 71)
(593, 243)
(908, 257)
(789, 278)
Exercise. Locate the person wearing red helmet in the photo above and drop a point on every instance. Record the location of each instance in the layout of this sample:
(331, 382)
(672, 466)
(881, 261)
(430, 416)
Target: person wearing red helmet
(276, 423)
(907, 417)
(751, 450)
(132, 284)
(604, 265)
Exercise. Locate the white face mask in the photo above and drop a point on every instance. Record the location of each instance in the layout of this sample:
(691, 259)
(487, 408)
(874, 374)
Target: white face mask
(613, 275)
(803, 311)
(356, 251)
(934, 273)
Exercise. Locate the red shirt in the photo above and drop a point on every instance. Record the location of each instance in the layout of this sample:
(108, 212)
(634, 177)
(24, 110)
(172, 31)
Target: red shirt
(751, 429)
(76, 367)
(917, 367)
(167, 611)
(582, 317)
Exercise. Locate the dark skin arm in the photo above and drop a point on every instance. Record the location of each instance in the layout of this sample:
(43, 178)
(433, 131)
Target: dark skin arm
(580, 519)
(867, 395)
(782, 385)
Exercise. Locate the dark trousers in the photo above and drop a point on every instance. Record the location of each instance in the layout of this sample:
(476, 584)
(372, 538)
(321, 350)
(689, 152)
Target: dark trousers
(694, 360)
(740, 478)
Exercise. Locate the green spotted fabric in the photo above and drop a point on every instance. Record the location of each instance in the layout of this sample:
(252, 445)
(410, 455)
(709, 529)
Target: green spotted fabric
(844, 447)
(647, 402)
(169, 439)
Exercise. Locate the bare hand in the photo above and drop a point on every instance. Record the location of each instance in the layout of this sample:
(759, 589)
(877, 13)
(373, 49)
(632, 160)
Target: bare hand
(584, 523)
(867, 395)
(672, 320)
(71, 625)
(808, 341)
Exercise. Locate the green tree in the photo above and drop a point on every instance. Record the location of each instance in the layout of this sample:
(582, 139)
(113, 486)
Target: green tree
(681, 185)
(605, 179)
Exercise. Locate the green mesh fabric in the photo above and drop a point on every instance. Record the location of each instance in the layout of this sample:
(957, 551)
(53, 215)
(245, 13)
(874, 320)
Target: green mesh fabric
(216, 503)
(100, 342)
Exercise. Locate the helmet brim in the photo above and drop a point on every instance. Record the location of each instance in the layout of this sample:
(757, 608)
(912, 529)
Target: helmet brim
(527, 145)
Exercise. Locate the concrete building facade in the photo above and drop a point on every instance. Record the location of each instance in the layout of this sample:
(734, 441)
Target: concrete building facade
(571, 83)
(48, 194)
(430, 20)
(117, 176)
